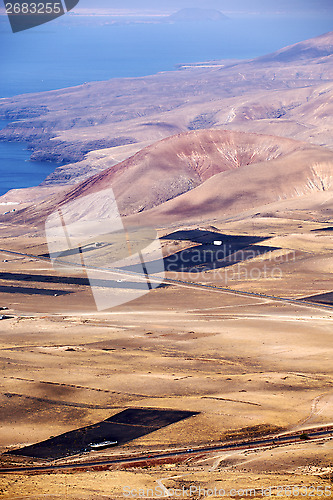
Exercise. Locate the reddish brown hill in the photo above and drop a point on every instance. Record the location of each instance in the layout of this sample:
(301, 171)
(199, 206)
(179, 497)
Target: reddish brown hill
(261, 95)
(180, 163)
(303, 177)
(202, 172)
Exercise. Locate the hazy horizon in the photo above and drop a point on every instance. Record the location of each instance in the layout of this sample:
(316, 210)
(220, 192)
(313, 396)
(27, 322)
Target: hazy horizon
(303, 7)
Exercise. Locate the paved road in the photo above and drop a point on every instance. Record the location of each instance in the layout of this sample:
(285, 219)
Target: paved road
(123, 274)
(278, 440)
(244, 445)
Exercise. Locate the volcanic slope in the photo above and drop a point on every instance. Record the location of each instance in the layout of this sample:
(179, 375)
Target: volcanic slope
(201, 173)
(288, 93)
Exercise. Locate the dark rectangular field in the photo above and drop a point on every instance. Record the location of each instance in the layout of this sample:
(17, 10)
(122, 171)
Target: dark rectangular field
(122, 427)
(324, 298)
(205, 255)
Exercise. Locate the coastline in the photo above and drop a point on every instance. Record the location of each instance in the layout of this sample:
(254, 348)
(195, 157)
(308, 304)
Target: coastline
(17, 170)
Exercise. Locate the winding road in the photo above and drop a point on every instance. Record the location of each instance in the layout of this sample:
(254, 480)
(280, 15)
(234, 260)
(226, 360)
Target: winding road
(120, 273)
(140, 460)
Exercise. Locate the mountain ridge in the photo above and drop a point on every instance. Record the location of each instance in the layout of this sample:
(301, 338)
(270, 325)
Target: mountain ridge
(320, 46)
(199, 173)
(67, 123)
(216, 104)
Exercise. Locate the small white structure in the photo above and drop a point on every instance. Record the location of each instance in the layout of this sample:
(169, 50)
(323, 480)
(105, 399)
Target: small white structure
(102, 444)
(218, 243)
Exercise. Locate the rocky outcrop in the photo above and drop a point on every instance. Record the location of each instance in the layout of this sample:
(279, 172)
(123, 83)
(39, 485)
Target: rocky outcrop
(23, 112)
(62, 152)
(45, 147)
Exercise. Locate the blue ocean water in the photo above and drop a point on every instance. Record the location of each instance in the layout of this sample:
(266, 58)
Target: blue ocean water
(72, 51)
(16, 171)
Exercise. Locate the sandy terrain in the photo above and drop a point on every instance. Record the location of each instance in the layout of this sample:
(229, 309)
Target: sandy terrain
(250, 364)
(280, 470)
(240, 361)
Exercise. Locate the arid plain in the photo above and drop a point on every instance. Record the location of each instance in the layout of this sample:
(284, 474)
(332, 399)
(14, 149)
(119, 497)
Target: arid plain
(251, 364)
